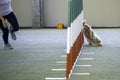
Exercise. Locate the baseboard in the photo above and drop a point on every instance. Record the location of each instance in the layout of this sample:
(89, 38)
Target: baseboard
(98, 27)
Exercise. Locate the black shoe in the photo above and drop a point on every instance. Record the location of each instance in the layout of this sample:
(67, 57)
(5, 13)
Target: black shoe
(13, 36)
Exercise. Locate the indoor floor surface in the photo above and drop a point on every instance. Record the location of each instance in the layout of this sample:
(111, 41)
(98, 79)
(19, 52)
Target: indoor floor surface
(35, 53)
(38, 52)
(102, 63)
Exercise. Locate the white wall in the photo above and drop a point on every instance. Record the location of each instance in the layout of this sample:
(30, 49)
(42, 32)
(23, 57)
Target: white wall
(97, 12)
(22, 9)
(55, 11)
(102, 12)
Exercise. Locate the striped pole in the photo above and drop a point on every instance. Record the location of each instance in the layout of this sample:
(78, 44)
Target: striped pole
(75, 37)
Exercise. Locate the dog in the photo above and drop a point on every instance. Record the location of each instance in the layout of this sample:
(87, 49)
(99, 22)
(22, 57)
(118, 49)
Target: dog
(90, 35)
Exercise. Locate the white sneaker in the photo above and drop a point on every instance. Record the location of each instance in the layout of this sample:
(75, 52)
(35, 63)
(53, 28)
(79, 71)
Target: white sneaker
(7, 46)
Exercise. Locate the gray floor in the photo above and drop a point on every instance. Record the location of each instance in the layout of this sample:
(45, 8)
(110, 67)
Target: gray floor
(36, 52)
(106, 59)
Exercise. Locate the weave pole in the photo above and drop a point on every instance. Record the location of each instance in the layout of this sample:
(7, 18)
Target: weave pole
(75, 37)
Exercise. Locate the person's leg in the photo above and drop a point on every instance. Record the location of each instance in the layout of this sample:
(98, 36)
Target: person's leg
(5, 33)
(5, 36)
(13, 21)
(14, 24)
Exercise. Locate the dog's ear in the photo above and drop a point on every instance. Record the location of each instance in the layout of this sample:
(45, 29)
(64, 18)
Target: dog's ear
(84, 22)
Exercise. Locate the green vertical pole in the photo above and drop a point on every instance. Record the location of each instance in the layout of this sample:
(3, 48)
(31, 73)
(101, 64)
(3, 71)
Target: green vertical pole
(74, 9)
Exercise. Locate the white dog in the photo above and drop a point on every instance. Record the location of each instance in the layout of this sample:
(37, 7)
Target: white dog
(90, 35)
